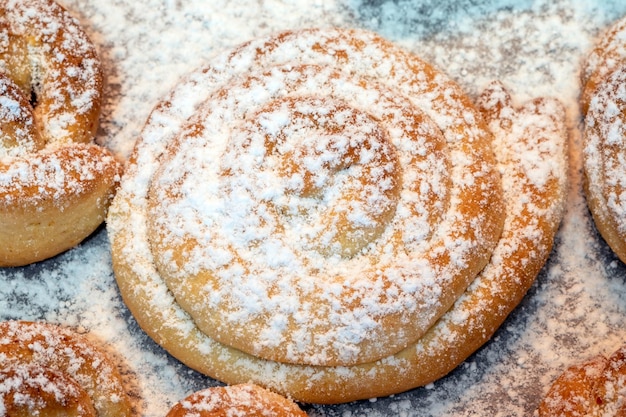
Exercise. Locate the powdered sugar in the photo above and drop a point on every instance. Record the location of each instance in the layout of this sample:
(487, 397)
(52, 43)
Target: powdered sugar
(65, 77)
(20, 135)
(576, 309)
(327, 299)
(54, 353)
(604, 149)
(47, 61)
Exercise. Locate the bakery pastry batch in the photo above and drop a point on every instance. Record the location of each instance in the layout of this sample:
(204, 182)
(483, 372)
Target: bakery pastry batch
(317, 216)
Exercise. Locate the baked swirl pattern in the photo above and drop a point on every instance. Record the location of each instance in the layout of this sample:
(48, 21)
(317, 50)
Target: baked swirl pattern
(270, 155)
(49, 370)
(595, 388)
(55, 184)
(296, 225)
(603, 102)
(315, 260)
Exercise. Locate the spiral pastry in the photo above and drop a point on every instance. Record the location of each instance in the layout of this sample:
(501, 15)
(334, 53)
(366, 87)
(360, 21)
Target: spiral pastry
(55, 185)
(310, 208)
(604, 153)
(595, 388)
(236, 400)
(45, 369)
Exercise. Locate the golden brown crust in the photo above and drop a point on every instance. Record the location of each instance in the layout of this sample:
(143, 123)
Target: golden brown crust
(244, 399)
(595, 388)
(367, 272)
(40, 220)
(603, 104)
(55, 184)
(367, 305)
(530, 144)
(30, 390)
(42, 350)
(608, 53)
(64, 78)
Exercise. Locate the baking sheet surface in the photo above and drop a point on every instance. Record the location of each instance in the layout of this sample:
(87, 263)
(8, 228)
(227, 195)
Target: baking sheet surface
(577, 307)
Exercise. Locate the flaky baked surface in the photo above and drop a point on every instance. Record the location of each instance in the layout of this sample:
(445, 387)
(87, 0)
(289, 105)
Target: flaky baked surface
(603, 102)
(594, 388)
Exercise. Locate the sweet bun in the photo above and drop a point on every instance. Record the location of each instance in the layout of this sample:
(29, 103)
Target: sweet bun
(46, 368)
(236, 400)
(596, 387)
(254, 256)
(604, 153)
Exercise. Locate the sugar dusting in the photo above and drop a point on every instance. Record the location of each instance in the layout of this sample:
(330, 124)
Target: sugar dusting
(605, 132)
(236, 227)
(62, 75)
(577, 307)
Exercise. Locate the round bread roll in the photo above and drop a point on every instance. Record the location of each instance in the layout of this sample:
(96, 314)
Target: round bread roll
(47, 368)
(254, 256)
(596, 387)
(236, 400)
(279, 255)
(55, 184)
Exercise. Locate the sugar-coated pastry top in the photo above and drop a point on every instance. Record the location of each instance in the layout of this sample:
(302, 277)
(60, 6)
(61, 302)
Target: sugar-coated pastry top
(220, 157)
(596, 387)
(27, 390)
(44, 50)
(246, 242)
(71, 370)
(604, 152)
(236, 400)
(608, 53)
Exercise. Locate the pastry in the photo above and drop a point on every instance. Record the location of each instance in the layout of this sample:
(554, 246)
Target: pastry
(603, 139)
(45, 366)
(236, 400)
(595, 388)
(284, 128)
(55, 184)
(607, 55)
(28, 390)
(341, 290)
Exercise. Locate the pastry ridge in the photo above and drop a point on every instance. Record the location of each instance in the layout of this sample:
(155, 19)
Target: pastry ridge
(52, 360)
(602, 103)
(55, 183)
(242, 399)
